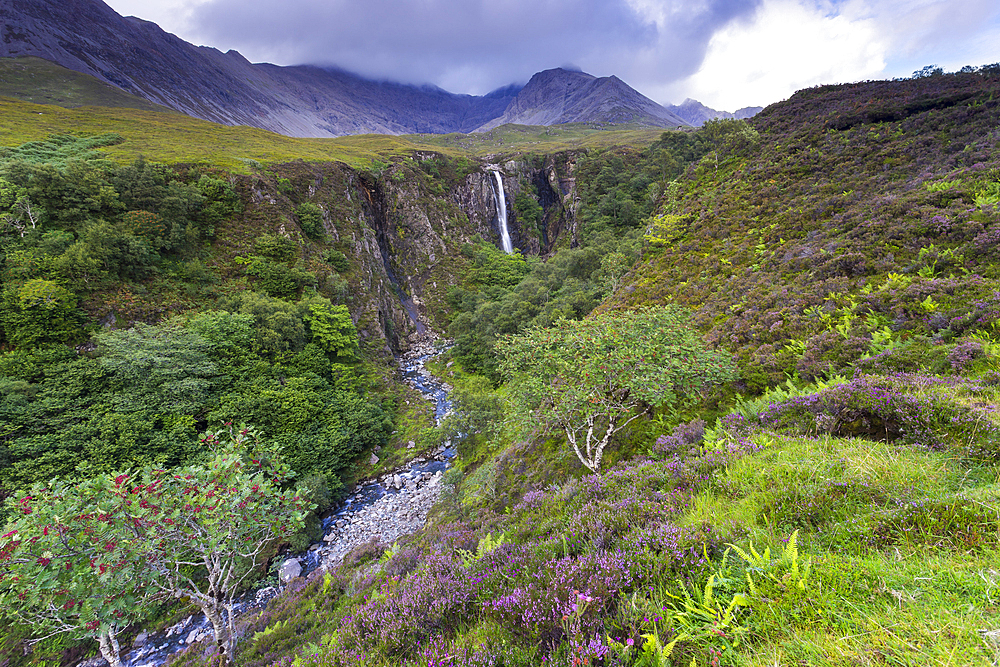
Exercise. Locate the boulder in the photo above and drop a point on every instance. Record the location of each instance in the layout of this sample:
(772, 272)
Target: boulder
(289, 570)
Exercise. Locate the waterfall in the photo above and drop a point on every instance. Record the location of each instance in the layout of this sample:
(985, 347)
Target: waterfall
(501, 200)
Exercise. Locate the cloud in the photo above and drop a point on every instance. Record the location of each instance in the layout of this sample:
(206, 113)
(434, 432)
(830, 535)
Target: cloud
(792, 44)
(472, 46)
(788, 45)
(725, 53)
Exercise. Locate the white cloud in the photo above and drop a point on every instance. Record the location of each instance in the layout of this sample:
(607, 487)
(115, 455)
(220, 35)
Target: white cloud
(174, 16)
(787, 46)
(725, 53)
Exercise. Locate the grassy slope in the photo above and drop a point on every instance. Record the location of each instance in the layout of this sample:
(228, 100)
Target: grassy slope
(39, 81)
(857, 204)
(891, 480)
(171, 137)
(39, 98)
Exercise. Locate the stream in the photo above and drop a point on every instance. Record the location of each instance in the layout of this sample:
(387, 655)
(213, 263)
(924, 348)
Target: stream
(385, 508)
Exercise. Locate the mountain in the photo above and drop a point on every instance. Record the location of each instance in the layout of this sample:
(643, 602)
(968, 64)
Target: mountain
(137, 56)
(140, 58)
(558, 96)
(695, 113)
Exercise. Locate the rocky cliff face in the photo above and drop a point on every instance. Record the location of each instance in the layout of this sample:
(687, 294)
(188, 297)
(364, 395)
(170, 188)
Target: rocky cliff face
(403, 230)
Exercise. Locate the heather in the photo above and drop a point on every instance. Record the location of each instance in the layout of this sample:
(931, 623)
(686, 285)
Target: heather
(860, 217)
(834, 503)
(789, 535)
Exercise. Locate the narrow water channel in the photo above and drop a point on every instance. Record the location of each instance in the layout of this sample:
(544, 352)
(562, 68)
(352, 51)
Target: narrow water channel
(152, 650)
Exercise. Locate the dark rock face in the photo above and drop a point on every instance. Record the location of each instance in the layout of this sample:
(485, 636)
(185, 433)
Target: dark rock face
(562, 96)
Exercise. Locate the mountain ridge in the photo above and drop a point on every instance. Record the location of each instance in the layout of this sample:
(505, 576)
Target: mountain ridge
(139, 57)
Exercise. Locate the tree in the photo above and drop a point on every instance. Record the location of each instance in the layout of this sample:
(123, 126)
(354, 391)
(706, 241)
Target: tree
(92, 557)
(38, 312)
(208, 528)
(590, 378)
(310, 217)
(333, 330)
(160, 369)
(69, 562)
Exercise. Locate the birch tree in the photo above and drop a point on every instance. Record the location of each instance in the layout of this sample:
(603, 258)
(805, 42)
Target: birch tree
(590, 379)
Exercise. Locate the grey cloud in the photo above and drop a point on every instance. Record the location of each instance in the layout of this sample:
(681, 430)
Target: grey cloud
(474, 45)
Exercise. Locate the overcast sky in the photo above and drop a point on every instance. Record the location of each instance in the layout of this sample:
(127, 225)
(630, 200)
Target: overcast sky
(725, 53)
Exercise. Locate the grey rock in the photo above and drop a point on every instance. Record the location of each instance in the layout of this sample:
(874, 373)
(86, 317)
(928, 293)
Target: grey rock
(289, 570)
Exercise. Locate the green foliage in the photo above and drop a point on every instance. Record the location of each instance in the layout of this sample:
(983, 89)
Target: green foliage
(60, 149)
(277, 247)
(486, 545)
(337, 260)
(68, 563)
(39, 312)
(221, 202)
(333, 330)
(587, 378)
(277, 279)
(163, 369)
(528, 210)
(569, 285)
(145, 186)
(310, 217)
(476, 409)
(493, 267)
(795, 574)
(664, 229)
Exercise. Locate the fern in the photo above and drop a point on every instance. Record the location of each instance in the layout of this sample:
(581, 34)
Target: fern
(789, 563)
(486, 545)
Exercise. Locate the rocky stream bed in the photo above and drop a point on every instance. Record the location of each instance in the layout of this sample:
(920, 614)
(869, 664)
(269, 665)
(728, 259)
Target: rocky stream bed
(385, 508)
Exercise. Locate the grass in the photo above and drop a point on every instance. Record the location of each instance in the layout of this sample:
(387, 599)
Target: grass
(39, 81)
(39, 99)
(868, 552)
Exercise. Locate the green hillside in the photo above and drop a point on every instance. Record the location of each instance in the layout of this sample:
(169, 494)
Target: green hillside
(786, 327)
(39, 81)
(841, 246)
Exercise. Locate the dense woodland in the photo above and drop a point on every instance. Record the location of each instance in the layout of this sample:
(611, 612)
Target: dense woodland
(801, 468)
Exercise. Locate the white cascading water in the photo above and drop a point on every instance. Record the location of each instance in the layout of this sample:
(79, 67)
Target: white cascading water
(501, 200)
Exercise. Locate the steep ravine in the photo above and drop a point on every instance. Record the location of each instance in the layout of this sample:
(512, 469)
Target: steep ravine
(403, 229)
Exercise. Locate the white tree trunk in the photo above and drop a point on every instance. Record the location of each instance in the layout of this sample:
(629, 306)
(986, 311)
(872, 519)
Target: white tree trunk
(108, 642)
(223, 641)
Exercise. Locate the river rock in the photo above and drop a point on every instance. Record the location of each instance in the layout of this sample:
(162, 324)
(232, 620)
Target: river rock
(289, 570)
(373, 460)
(193, 636)
(140, 639)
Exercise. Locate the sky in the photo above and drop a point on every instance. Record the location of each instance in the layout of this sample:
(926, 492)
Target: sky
(727, 54)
